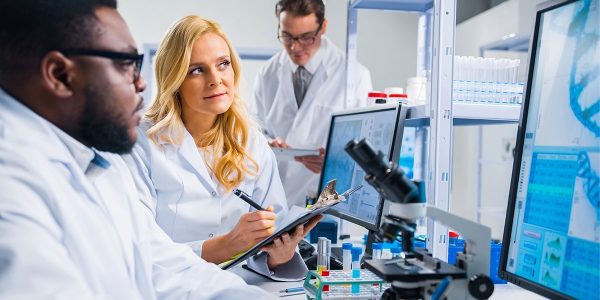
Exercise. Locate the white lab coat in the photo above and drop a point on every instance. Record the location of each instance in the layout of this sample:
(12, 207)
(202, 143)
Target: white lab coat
(71, 229)
(191, 207)
(275, 107)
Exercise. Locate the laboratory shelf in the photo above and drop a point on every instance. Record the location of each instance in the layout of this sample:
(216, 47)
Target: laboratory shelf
(396, 5)
(511, 42)
(468, 114)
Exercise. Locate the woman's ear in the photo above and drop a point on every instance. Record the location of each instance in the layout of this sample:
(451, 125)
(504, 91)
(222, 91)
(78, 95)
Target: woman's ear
(57, 73)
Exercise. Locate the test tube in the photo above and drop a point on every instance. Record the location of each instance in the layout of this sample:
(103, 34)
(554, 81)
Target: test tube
(396, 252)
(356, 251)
(347, 256)
(377, 250)
(323, 254)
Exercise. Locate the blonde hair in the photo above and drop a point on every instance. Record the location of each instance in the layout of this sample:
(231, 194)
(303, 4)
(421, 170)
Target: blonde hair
(228, 137)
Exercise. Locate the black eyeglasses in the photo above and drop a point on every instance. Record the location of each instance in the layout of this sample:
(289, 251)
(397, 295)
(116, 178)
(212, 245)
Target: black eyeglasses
(302, 40)
(134, 58)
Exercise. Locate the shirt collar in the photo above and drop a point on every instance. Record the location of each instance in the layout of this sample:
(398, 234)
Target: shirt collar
(315, 61)
(85, 157)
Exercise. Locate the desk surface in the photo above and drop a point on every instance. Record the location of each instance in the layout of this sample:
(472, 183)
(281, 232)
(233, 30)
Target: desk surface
(501, 291)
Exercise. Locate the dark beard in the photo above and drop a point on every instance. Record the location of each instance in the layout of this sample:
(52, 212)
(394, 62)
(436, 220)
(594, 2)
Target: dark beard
(101, 127)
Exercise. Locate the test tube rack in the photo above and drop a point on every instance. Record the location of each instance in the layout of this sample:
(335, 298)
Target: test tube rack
(340, 285)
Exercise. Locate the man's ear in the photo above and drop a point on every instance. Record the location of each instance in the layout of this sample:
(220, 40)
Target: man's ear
(324, 26)
(57, 73)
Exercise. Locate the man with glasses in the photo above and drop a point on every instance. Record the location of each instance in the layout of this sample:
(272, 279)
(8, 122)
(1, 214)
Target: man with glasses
(72, 225)
(299, 88)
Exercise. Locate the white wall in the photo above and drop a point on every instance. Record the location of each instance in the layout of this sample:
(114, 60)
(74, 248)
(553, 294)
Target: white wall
(385, 39)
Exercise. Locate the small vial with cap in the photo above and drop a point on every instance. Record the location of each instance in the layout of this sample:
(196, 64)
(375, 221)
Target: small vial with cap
(377, 250)
(386, 253)
(347, 257)
(396, 252)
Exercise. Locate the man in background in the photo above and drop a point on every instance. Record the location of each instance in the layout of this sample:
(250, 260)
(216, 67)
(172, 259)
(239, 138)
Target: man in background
(72, 225)
(299, 88)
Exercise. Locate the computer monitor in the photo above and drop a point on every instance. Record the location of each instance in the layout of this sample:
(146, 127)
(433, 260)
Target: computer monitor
(382, 126)
(552, 230)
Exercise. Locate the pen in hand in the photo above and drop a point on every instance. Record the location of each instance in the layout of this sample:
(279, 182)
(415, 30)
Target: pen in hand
(247, 199)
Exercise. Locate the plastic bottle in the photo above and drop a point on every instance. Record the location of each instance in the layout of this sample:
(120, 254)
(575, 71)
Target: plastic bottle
(398, 98)
(377, 250)
(347, 257)
(376, 97)
(396, 252)
(416, 89)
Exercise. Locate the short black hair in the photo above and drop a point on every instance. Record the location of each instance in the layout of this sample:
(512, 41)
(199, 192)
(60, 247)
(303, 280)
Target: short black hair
(31, 28)
(302, 8)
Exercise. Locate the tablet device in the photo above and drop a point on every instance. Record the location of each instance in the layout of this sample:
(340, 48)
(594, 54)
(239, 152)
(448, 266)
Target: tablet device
(285, 154)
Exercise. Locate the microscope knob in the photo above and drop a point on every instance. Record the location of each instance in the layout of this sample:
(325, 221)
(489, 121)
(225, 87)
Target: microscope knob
(481, 286)
(388, 294)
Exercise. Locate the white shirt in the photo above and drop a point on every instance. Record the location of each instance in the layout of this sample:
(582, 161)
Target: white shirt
(73, 226)
(192, 207)
(305, 127)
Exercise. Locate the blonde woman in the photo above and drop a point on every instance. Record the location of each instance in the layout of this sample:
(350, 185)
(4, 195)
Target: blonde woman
(197, 143)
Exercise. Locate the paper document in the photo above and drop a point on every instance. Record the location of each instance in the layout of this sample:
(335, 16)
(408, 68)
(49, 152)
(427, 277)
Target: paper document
(284, 154)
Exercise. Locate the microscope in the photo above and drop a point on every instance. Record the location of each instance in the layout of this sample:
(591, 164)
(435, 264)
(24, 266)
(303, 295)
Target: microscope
(418, 275)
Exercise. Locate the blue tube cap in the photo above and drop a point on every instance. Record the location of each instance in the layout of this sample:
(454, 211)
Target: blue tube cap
(356, 252)
(396, 249)
(347, 246)
(378, 246)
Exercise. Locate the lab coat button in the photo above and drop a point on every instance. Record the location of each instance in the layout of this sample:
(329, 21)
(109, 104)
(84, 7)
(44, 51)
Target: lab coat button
(214, 194)
(211, 235)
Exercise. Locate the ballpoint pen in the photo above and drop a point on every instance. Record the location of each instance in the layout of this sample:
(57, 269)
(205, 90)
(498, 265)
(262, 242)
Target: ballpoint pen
(246, 198)
(292, 290)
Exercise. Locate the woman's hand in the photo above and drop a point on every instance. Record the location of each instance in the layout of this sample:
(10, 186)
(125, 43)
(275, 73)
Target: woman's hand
(283, 248)
(252, 228)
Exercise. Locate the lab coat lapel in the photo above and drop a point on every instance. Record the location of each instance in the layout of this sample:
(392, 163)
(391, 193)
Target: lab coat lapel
(190, 153)
(284, 108)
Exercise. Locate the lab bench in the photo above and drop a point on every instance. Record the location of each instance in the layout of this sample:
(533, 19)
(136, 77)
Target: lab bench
(501, 291)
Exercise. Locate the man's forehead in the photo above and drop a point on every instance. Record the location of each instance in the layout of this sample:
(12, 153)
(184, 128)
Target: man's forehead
(296, 21)
(113, 32)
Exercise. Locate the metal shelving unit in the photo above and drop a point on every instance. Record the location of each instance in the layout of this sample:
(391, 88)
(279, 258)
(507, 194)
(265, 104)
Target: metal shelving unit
(468, 114)
(513, 43)
(436, 119)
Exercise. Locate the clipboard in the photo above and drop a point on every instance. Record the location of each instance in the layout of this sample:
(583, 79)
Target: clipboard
(297, 218)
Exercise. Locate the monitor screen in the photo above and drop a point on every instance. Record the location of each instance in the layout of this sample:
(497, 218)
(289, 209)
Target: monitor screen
(382, 126)
(553, 219)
